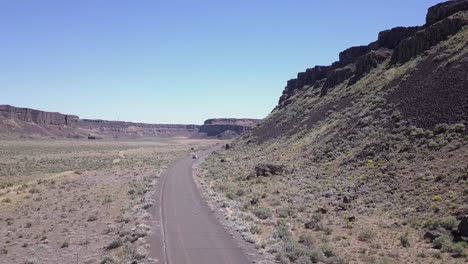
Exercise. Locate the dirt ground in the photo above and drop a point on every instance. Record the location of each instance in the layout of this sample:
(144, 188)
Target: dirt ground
(75, 201)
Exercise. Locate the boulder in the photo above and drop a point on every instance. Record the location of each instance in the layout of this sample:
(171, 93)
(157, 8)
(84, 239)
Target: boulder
(457, 237)
(430, 236)
(463, 226)
(310, 225)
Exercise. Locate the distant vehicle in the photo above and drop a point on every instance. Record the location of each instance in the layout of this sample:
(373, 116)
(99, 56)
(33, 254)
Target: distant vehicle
(194, 156)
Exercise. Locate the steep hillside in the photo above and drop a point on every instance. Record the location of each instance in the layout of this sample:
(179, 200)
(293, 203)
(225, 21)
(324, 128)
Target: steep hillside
(362, 161)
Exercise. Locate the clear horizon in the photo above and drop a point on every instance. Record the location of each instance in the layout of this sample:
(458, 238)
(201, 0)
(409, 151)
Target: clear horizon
(177, 61)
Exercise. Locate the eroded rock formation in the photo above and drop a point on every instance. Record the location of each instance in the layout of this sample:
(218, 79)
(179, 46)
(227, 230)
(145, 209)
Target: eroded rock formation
(400, 44)
(219, 126)
(443, 10)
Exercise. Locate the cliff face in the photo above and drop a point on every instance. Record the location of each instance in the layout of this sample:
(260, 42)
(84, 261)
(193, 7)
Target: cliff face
(141, 129)
(38, 117)
(443, 10)
(26, 121)
(401, 43)
(219, 126)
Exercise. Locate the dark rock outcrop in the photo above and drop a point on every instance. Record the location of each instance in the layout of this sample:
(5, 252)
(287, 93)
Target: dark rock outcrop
(309, 77)
(367, 62)
(352, 54)
(443, 10)
(430, 236)
(463, 226)
(391, 38)
(266, 170)
(336, 77)
(227, 127)
(430, 36)
(398, 44)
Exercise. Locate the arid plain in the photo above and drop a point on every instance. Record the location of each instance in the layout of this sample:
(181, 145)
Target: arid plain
(79, 201)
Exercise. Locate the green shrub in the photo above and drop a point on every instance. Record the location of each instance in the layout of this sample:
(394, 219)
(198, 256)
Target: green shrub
(442, 241)
(436, 255)
(421, 255)
(449, 222)
(108, 260)
(34, 190)
(327, 250)
(440, 128)
(282, 258)
(255, 229)
(231, 195)
(303, 260)
(294, 250)
(445, 244)
(404, 239)
(307, 240)
(114, 244)
(282, 229)
(458, 249)
(316, 255)
(262, 212)
(430, 223)
(240, 192)
(285, 212)
(458, 128)
(317, 217)
(366, 235)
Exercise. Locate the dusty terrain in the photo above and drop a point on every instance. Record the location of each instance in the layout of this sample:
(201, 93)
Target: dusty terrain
(362, 161)
(72, 201)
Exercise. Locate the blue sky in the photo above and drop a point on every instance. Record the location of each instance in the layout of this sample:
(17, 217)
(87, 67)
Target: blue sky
(177, 61)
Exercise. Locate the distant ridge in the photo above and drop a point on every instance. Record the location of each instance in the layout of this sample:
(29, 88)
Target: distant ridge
(28, 122)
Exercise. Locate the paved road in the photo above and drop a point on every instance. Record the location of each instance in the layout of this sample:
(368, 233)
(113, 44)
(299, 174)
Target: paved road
(191, 232)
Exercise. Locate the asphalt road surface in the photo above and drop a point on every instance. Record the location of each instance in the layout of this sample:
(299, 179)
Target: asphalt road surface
(191, 232)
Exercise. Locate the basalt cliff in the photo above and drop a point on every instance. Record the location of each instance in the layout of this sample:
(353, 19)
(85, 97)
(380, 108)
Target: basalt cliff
(15, 121)
(227, 127)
